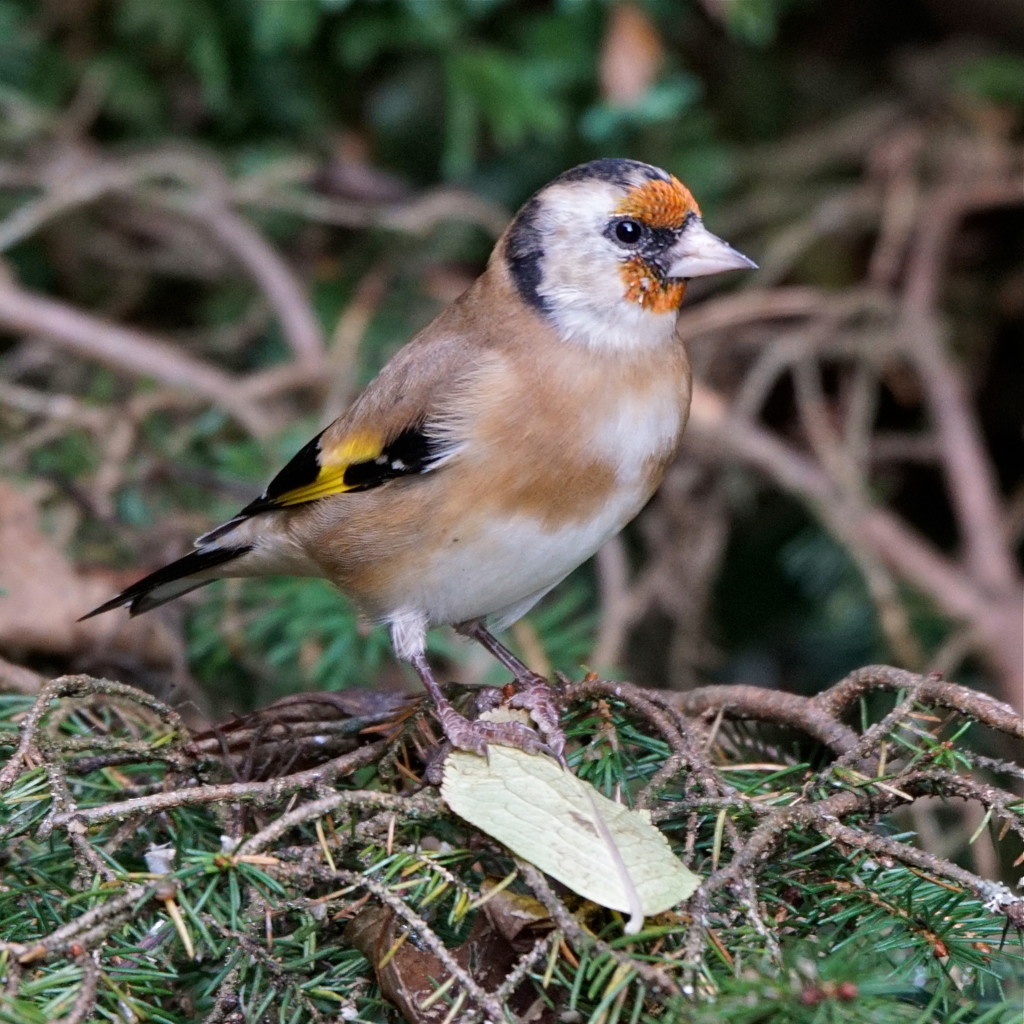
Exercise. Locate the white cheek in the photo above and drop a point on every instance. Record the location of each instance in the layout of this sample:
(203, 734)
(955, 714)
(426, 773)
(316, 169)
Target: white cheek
(614, 326)
(586, 302)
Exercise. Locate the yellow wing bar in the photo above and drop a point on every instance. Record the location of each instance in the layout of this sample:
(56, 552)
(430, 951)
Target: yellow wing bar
(332, 465)
(358, 462)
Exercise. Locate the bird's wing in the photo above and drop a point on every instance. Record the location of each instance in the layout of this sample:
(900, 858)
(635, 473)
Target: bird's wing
(337, 461)
(405, 423)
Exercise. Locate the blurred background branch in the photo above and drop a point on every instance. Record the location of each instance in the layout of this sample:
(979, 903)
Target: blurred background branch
(217, 219)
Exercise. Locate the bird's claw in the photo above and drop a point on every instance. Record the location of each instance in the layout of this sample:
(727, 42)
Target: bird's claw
(536, 696)
(476, 736)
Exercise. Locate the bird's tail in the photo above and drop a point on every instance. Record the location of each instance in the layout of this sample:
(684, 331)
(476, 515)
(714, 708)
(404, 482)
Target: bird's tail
(172, 580)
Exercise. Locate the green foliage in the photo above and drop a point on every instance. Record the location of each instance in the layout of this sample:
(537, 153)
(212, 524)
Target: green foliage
(263, 639)
(839, 936)
(808, 992)
(997, 78)
(489, 90)
(291, 635)
(833, 591)
(810, 604)
(755, 21)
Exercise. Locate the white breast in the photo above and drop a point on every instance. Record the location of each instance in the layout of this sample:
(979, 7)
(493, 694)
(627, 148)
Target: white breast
(642, 428)
(502, 569)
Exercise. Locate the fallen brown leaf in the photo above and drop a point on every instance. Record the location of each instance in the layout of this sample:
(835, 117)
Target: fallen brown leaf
(42, 595)
(409, 973)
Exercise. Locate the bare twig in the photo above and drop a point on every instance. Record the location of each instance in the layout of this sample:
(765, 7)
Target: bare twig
(277, 283)
(971, 476)
(994, 894)
(124, 349)
(265, 792)
(835, 803)
(997, 617)
(931, 689)
(77, 686)
(89, 926)
(763, 705)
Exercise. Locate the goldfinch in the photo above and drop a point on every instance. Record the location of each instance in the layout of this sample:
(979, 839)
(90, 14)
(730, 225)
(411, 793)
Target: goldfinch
(503, 445)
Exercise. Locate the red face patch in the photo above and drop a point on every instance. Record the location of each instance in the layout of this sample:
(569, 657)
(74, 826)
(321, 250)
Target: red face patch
(659, 204)
(648, 290)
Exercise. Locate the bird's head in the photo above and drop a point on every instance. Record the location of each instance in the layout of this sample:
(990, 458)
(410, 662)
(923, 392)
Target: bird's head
(604, 251)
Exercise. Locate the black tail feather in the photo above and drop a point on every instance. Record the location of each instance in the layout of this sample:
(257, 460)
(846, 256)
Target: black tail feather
(158, 587)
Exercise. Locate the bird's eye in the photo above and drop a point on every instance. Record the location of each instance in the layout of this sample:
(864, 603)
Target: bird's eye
(628, 232)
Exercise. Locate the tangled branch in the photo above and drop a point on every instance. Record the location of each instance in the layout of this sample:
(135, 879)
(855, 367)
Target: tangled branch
(309, 832)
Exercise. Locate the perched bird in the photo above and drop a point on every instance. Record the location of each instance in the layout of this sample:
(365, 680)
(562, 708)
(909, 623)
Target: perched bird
(503, 445)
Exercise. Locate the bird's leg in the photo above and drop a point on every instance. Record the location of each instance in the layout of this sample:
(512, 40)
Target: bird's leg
(474, 736)
(535, 694)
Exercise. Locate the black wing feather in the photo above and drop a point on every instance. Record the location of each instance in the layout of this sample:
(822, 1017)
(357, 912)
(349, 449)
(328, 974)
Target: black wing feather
(411, 452)
(146, 594)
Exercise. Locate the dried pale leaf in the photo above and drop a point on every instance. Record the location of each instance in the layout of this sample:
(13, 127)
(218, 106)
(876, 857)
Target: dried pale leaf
(598, 848)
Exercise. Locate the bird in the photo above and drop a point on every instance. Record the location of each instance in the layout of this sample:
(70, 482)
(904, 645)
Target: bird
(502, 446)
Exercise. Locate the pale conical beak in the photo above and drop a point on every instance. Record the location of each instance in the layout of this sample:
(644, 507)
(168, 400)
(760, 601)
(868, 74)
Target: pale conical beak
(699, 253)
